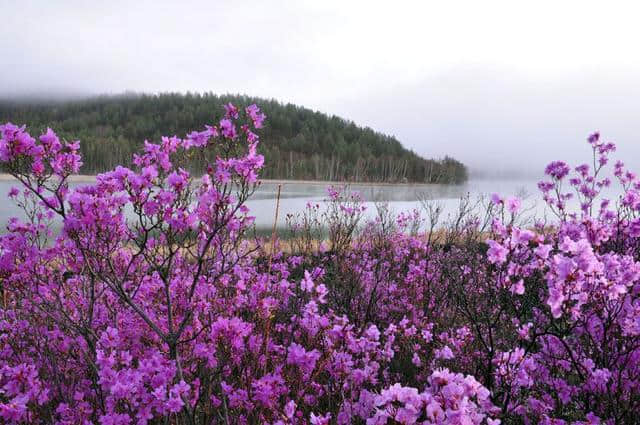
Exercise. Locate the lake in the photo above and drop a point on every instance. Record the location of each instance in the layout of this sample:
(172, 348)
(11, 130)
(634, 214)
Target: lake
(296, 195)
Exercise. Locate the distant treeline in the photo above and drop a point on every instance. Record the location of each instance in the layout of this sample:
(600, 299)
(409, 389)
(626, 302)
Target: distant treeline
(297, 142)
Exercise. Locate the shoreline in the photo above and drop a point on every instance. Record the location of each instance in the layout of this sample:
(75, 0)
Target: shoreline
(86, 178)
(80, 178)
(338, 183)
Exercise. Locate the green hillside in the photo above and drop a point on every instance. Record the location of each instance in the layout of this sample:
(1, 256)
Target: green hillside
(297, 142)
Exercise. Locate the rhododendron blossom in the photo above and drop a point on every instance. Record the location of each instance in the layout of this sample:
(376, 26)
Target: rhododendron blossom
(144, 298)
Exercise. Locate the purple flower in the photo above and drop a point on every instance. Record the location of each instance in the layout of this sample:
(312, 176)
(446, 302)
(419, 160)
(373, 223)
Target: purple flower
(513, 205)
(231, 111)
(228, 129)
(557, 169)
(256, 116)
(497, 254)
(178, 180)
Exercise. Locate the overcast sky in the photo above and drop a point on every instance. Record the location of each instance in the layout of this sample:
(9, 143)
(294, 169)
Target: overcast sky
(501, 85)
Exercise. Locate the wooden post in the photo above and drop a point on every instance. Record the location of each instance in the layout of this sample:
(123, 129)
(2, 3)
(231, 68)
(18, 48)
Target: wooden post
(275, 227)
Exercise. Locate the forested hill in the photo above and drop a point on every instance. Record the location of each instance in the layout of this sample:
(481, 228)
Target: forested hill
(297, 143)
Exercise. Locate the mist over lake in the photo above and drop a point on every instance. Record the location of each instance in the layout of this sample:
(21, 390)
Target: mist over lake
(294, 197)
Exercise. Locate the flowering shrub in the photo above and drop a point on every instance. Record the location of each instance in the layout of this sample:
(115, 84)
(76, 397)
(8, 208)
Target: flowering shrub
(151, 306)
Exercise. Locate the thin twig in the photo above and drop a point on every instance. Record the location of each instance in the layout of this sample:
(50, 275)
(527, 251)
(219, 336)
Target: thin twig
(275, 227)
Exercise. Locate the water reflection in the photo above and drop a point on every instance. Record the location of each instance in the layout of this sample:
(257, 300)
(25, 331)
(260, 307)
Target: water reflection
(295, 196)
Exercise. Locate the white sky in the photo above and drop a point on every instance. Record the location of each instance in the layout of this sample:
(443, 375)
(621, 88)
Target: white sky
(496, 84)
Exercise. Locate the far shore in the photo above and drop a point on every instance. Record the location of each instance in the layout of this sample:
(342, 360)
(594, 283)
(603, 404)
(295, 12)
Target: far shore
(85, 178)
(81, 178)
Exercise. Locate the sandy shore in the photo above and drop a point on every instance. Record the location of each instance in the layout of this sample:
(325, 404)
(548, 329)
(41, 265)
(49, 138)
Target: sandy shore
(84, 178)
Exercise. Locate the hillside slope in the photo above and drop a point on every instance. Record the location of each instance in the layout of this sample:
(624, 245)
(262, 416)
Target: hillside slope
(297, 142)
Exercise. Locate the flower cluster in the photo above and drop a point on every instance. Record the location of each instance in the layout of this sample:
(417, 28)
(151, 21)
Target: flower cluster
(151, 304)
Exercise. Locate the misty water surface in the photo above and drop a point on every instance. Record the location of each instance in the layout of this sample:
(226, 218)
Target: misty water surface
(295, 196)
